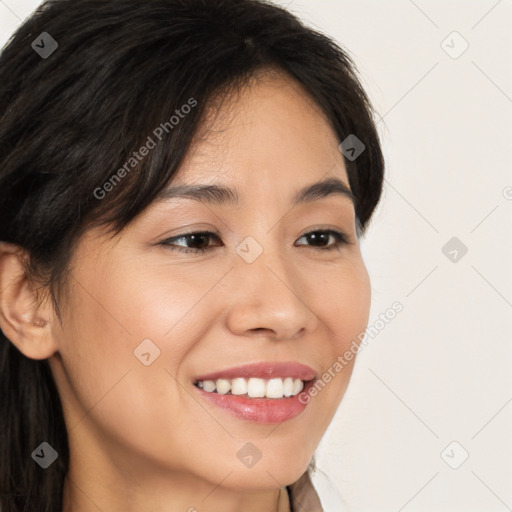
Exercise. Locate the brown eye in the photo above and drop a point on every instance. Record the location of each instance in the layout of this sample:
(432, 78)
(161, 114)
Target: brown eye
(197, 242)
(319, 239)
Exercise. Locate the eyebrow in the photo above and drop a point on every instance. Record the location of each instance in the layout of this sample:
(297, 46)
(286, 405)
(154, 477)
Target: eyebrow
(221, 195)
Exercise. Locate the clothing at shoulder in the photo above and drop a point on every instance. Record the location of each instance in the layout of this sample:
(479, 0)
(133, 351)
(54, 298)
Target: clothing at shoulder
(303, 496)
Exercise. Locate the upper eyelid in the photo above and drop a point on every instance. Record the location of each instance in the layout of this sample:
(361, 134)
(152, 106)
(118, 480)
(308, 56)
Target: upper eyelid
(190, 233)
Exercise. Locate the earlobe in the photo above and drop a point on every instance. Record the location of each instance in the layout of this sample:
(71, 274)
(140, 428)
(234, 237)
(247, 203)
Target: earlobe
(24, 322)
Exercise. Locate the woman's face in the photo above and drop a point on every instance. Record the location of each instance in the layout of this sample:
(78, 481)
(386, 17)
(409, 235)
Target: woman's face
(263, 291)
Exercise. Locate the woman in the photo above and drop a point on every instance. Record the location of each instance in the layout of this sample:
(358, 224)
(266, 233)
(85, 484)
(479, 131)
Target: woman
(141, 369)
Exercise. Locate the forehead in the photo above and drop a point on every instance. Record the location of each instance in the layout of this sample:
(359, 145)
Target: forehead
(270, 134)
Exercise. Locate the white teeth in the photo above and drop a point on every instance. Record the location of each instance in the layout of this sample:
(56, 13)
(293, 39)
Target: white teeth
(288, 386)
(297, 386)
(223, 386)
(274, 388)
(254, 387)
(238, 386)
(209, 385)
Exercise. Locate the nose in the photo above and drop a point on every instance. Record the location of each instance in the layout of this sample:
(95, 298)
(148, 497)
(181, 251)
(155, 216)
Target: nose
(270, 298)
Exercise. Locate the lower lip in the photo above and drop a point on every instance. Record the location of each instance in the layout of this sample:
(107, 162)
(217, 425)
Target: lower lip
(260, 410)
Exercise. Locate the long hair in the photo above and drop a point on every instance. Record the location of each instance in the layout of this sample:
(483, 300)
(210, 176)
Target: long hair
(83, 83)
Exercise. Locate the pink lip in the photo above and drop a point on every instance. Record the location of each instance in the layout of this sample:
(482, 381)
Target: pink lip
(263, 371)
(260, 410)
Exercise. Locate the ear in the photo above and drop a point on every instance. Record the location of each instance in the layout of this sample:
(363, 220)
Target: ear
(23, 322)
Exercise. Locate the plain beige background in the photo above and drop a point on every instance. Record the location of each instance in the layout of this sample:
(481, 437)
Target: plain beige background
(434, 385)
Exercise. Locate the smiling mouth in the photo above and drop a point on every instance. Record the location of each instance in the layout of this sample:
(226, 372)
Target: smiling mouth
(254, 387)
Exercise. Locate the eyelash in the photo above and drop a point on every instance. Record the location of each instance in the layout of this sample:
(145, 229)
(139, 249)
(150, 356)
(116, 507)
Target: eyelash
(341, 240)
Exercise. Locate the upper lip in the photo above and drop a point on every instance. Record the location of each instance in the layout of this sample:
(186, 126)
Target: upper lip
(263, 371)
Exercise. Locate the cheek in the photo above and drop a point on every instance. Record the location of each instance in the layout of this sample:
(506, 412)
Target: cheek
(114, 311)
(121, 320)
(345, 305)
(343, 308)
(105, 385)
(123, 304)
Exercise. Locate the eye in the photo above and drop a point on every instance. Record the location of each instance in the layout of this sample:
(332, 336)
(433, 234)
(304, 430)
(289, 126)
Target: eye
(321, 237)
(198, 242)
(197, 238)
